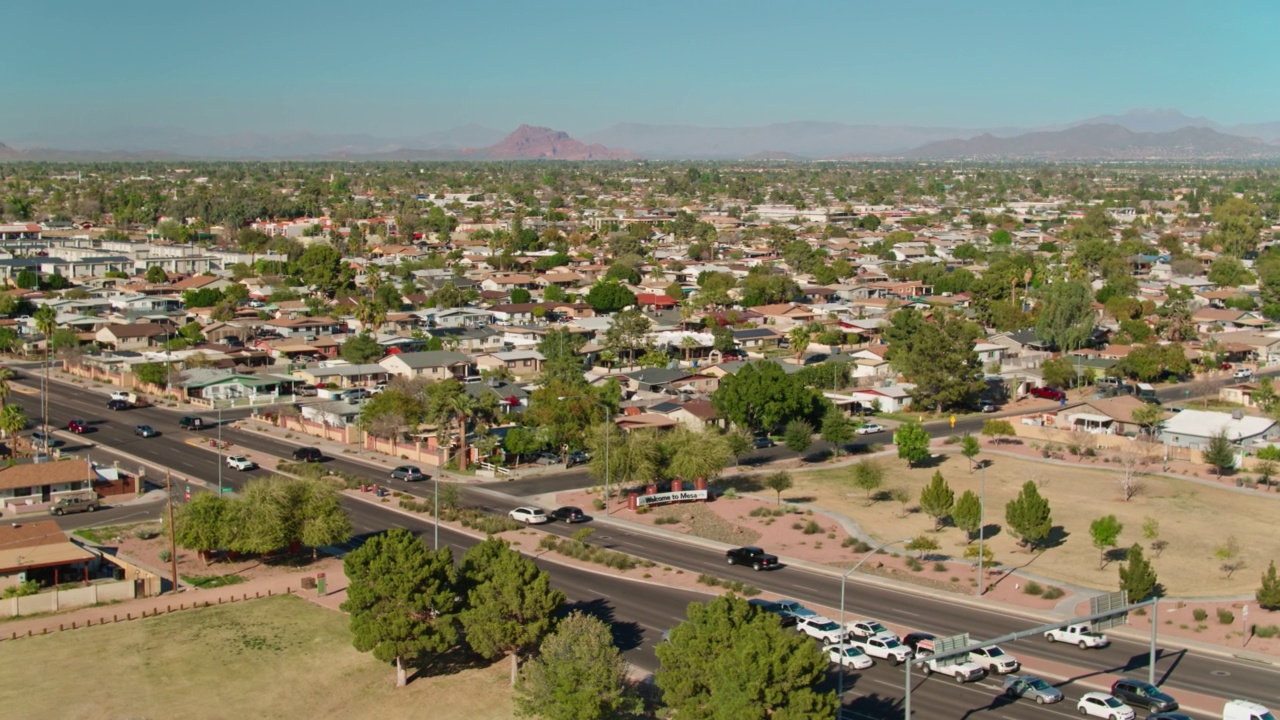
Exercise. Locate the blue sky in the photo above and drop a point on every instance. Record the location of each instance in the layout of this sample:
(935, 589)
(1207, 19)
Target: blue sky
(77, 67)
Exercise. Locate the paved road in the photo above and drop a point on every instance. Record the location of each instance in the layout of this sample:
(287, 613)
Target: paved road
(1191, 671)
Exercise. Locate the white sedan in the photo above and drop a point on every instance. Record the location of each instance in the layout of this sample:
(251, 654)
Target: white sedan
(1102, 705)
(850, 656)
(529, 515)
(869, 429)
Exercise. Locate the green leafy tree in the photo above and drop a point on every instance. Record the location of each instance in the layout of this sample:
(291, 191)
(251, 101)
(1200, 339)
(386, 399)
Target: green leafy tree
(761, 397)
(628, 333)
(913, 443)
(970, 447)
(151, 373)
(779, 482)
(1228, 271)
(1148, 416)
(360, 349)
(156, 275)
(1268, 594)
(579, 674)
(799, 339)
(1219, 454)
(1066, 315)
(798, 436)
(1059, 372)
(1105, 531)
(836, 429)
(1137, 577)
(937, 355)
(520, 296)
(740, 442)
(967, 514)
(633, 458)
(321, 267)
(202, 524)
(402, 599)
(278, 512)
(521, 441)
(510, 602)
(1150, 362)
(997, 430)
(1028, 516)
(704, 663)
(692, 454)
(1236, 225)
(937, 500)
(868, 475)
(609, 297)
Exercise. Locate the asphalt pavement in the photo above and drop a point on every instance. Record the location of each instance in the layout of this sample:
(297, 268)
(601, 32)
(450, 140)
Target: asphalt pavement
(652, 608)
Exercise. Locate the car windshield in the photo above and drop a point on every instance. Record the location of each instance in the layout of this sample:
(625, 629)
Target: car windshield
(1267, 716)
(891, 643)
(875, 628)
(994, 652)
(1112, 702)
(1039, 684)
(826, 626)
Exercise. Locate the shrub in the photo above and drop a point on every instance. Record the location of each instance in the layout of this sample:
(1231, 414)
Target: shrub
(951, 440)
(1074, 449)
(914, 564)
(939, 567)
(1225, 616)
(1090, 452)
(1199, 614)
(597, 504)
(1266, 631)
(1053, 593)
(711, 580)
(1033, 588)
(797, 526)
(644, 510)
(757, 512)
(146, 532)
(165, 555)
(812, 528)
(666, 520)
(30, 587)
(730, 494)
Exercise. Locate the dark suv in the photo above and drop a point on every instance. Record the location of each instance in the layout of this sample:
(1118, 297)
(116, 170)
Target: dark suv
(307, 454)
(1142, 694)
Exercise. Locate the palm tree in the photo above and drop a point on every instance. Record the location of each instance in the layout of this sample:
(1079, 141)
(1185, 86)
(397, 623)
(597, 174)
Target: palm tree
(46, 319)
(799, 339)
(688, 342)
(12, 420)
(6, 375)
(371, 314)
(451, 404)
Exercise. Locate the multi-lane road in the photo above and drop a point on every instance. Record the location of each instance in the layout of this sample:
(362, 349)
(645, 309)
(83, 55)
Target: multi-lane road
(642, 611)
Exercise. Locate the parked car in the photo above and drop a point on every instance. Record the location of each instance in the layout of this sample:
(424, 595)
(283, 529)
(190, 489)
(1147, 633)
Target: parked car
(569, 514)
(191, 422)
(1243, 372)
(240, 462)
(40, 439)
(863, 629)
(995, 660)
(1143, 694)
(529, 515)
(821, 628)
(793, 609)
(763, 441)
(1245, 710)
(578, 457)
(547, 459)
(787, 619)
(869, 429)
(1048, 393)
(919, 640)
(987, 407)
(755, 557)
(117, 404)
(145, 431)
(1182, 716)
(308, 454)
(73, 504)
(1030, 686)
(355, 395)
(78, 426)
(408, 473)
(885, 649)
(1080, 634)
(305, 391)
(1100, 704)
(850, 656)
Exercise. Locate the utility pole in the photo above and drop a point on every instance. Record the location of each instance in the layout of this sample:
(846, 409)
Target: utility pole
(173, 536)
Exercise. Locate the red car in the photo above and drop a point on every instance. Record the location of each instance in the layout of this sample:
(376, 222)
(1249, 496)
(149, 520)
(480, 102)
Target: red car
(78, 426)
(1048, 393)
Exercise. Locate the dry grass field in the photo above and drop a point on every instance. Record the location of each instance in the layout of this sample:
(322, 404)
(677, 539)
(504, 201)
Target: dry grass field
(1194, 519)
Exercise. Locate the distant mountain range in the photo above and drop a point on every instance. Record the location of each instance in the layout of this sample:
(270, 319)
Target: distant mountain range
(1138, 134)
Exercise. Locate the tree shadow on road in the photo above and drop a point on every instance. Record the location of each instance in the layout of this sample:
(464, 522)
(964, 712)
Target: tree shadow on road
(626, 635)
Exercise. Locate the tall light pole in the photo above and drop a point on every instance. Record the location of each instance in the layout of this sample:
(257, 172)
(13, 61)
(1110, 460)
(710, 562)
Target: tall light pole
(219, 449)
(843, 579)
(982, 531)
(607, 432)
(436, 493)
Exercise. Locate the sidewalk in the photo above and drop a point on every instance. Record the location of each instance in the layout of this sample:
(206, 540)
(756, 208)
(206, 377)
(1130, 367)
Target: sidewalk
(188, 599)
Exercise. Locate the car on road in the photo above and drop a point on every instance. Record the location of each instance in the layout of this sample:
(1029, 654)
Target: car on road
(78, 426)
(190, 422)
(863, 629)
(1142, 694)
(408, 473)
(755, 557)
(1030, 686)
(916, 640)
(240, 462)
(569, 514)
(74, 504)
(1181, 716)
(1102, 705)
(121, 395)
(821, 628)
(1245, 710)
(529, 515)
(1081, 635)
(117, 404)
(869, 429)
(885, 649)
(762, 441)
(995, 660)
(793, 609)
(578, 457)
(850, 656)
(308, 454)
(1243, 372)
(145, 431)
(957, 668)
(773, 608)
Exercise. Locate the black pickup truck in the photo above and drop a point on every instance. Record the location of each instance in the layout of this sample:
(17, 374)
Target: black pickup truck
(755, 557)
(191, 423)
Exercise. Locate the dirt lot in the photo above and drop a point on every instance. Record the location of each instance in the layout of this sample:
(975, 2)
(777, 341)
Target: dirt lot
(277, 658)
(1194, 520)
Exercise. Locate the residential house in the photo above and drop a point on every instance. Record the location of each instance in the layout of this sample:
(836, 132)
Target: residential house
(1212, 319)
(39, 551)
(344, 375)
(510, 397)
(305, 327)
(523, 364)
(29, 484)
(887, 398)
(1106, 416)
(131, 337)
(334, 413)
(429, 364)
(1194, 428)
(757, 339)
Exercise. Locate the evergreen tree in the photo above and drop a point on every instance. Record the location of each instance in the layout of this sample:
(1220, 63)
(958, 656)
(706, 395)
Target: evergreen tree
(836, 429)
(967, 514)
(1219, 453)
(937, 499)
(1269, 593)
(578, 675)
(1028, 516)
(1137, 577)
(798, 436)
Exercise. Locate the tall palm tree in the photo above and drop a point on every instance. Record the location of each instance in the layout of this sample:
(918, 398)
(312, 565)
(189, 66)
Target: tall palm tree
(371, 314)
(12, 420)
(449, 404)
(799, 339)
(46, 319)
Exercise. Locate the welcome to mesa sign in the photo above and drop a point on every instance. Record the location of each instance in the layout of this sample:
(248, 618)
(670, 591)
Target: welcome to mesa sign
(670, 497)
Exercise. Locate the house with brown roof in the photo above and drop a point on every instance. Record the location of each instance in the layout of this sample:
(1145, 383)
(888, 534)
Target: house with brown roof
(132, 337)
(201, 282)
(1207, 319)
(35, 485)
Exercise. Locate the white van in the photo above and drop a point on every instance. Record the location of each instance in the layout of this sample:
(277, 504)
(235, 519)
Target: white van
(1245, 710)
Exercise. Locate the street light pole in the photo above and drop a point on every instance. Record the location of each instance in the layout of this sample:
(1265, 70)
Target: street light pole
(439, 471)
(843, 579)
(982, 531)
(220, 450)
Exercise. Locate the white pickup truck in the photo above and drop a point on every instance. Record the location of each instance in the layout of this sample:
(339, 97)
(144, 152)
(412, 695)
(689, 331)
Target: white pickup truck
(1080, 635)
(961, 672)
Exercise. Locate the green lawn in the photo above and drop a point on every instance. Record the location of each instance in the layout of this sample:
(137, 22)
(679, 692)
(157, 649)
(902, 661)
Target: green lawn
(282, 657)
